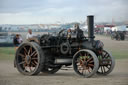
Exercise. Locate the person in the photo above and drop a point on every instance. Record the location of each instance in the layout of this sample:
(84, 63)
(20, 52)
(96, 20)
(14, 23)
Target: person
(31, 37)
(17, 40)
(20, 40)
(69, 33)
(78, 32)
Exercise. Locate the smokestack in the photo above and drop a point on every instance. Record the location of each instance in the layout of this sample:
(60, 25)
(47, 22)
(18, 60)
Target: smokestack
(90, 22)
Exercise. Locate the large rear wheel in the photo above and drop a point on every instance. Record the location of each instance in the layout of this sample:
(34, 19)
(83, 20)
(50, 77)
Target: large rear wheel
(29, 58)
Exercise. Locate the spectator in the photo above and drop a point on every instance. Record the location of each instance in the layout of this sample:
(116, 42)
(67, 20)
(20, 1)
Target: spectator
(17, 40)
(31, 37)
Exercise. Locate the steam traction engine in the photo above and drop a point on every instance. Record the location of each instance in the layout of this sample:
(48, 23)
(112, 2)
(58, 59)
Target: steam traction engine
(85, 54)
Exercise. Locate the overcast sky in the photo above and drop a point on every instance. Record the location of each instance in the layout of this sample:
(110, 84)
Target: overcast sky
(55, 11)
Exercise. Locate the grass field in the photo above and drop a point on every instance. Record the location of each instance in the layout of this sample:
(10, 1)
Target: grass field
(8, 53)
(120, 54)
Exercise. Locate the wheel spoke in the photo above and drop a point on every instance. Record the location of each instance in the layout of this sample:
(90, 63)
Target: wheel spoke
(25, 53)
(89, 70)
(107, 67)
(25, 69)
(91, 65)
(103, 55)
(101, 69)
(21, 62)
(89, 59)
(33, 64)
(21, 55)
(36, 62)
(34, 58)
(29, 51)
(25, 64)
(106, 60)
(84, 71)
(106, 55)
(85, 57)
(25, 50)
(33, 53)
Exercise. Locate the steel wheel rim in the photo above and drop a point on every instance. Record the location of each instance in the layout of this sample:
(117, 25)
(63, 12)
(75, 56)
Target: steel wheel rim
(84, 63)
(106, 65)
(27, 59)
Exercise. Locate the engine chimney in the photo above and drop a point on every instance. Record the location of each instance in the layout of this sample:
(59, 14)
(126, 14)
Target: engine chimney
(90, 22)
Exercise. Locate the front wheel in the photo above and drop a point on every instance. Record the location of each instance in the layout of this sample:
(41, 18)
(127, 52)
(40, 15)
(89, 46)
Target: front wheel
(85, 63)
(106, 63)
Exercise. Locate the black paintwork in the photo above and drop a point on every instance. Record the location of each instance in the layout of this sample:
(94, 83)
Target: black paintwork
(62, 46)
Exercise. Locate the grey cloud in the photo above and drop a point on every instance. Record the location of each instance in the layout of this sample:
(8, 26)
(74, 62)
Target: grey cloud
(102, 9)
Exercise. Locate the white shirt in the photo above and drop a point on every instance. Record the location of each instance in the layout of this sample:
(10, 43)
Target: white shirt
(20, 40)
(30, 36)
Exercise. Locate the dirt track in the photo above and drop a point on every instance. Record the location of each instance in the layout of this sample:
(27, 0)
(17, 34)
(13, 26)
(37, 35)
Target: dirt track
(10, 76)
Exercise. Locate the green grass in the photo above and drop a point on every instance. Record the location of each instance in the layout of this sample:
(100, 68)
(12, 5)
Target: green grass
(120, 54)
(8, 53)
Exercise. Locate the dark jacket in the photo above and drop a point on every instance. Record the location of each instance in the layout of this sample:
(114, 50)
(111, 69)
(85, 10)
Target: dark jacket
(15, 41)
(79, 33)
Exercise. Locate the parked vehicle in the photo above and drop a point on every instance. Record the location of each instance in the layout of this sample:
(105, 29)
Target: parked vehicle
(118, 35)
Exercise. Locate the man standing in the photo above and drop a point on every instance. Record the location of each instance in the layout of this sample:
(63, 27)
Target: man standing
(78, 32)
(31, 37)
